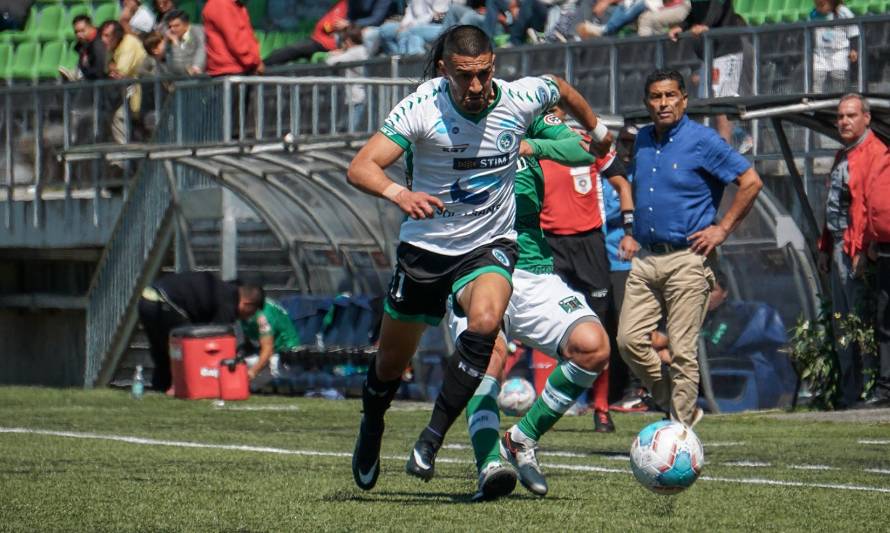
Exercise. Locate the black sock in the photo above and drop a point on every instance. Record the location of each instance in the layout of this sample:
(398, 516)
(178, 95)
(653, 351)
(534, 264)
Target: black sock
(377, 395)
(463, 373)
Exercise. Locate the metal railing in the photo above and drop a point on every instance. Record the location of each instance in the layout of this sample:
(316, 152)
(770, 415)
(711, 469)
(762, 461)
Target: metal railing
(40, 121)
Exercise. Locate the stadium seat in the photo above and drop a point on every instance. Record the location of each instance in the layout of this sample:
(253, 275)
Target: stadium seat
(319, 57)
(51, 56)
(191, 9)
(24, 61)
(28, 33)
(257, 11)
(69, 60)
(5, 59)
(759, 10)
(49, 24)
(106, 11)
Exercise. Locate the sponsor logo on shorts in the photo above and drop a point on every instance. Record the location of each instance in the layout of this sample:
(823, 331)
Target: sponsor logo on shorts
(501, 257)
(571, 304)
(602, 293)
(552, 120)
(506, 141)
(473, 163)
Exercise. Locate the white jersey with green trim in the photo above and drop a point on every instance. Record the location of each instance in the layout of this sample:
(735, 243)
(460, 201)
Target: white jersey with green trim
(466, 161)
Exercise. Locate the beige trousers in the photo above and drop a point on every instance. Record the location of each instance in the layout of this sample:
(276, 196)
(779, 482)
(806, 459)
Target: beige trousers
(656, 22)
(678, 284)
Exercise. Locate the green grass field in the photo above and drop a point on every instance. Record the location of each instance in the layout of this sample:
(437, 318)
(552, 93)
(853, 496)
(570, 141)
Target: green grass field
(75, 460)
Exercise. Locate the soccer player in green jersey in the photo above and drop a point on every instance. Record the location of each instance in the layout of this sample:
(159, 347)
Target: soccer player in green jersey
(272, 329)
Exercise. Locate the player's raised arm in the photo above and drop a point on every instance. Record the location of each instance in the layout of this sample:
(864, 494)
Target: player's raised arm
(572, 101)
(366, 174)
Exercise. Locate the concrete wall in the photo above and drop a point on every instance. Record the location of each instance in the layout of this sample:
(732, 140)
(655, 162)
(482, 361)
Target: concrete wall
(42, 347)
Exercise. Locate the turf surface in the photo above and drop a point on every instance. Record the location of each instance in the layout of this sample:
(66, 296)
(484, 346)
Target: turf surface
(282, 464)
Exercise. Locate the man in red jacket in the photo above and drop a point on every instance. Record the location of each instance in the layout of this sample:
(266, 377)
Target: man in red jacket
(232, 47)
(841, 251)
(875, 158)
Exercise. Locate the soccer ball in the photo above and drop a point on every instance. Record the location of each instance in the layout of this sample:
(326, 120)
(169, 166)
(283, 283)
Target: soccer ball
(666, 457)
(516, 397)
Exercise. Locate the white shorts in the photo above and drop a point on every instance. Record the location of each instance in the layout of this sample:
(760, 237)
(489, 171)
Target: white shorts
(726, 75)
(267, 374)
(542, 312)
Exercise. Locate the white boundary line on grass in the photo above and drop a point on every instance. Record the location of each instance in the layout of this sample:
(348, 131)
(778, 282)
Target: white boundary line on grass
(314, 453)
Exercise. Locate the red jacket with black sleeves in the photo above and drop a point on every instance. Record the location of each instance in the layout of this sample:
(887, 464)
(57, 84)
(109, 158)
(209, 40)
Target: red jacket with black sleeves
(232, 47)
(863, 161)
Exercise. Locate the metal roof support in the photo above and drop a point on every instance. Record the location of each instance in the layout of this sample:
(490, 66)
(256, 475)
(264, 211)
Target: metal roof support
(812, 229)
(183, 241)
(280, 161)
(217, 174)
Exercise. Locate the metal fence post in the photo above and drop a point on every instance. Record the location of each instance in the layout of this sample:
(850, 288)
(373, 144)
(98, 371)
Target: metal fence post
(227, 110)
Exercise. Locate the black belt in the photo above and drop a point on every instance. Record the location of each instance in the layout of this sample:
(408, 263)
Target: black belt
(664, 247)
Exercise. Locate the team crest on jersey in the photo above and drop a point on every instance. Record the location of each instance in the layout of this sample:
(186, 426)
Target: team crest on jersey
(501, 257)
(570, 304)
(552, 120)
(506, 141)
(582, 181)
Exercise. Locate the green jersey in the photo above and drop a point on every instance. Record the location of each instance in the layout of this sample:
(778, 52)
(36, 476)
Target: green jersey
(272, 320)
(549, 139)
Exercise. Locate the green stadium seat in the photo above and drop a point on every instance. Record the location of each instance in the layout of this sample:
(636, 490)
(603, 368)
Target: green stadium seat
(5, 59)
(742, 7)
(51, 56)
(501, 40)
(24, 61)
(28, 33)
(106, 11)
(318, 57)
(257, 11)
(759, 10)
(69, 60)
(49, 25)
(191, 9)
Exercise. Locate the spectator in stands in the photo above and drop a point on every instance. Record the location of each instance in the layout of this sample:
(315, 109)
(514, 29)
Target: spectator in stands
(489, 15)
(616, 13)
(420, 26)
(92, 61)
(186, 53)
(163, 10)
(14, 13)
(675, 222)
(528, 15)
(658, 19)
(190, 298)
(841, 244)
(834, 48)
(370, 14)
(726, 70)
(323, 38)
(352, 50)
(127, 54)
(877, 215)
(155, 65)
(136, 18)
(268, 335)
(231, 45)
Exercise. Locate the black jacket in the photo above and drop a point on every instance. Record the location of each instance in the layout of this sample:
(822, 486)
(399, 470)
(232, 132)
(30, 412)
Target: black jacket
(202, 296)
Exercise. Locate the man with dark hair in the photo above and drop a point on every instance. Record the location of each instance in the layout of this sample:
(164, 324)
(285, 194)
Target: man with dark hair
(463, 130)
(190, 298)
(91, 52)
(681, 169)
(186, 52)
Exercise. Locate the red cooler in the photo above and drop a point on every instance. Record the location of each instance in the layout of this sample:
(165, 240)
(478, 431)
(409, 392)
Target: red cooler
(195, 356)
(233, 381)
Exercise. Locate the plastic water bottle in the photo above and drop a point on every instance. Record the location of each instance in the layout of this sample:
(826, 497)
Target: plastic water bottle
(319, 342)
(138, 388)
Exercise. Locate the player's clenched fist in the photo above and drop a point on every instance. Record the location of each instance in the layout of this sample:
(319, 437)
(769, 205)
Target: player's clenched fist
(418, 204)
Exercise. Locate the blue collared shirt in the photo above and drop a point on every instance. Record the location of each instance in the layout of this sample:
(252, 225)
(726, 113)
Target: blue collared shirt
(614, 225)
(679, 182)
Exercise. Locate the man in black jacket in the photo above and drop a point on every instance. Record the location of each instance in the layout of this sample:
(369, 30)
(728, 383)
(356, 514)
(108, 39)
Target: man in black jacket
(190, 298)
(92, 57)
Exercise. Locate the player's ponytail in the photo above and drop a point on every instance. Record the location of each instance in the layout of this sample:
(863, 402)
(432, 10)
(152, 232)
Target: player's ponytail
(466, 40)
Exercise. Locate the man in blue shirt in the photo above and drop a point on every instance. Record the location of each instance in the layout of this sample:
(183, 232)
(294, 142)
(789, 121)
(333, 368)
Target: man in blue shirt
(680, 171)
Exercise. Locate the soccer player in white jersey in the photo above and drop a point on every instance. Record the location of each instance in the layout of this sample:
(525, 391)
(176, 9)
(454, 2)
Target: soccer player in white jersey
(460, 134)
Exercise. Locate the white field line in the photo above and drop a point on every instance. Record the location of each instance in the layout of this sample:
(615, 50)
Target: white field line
(230, 407)
(874, 441)
(877, 471)
(812, 467)
(722, 444)
(315, 453)
(746, 464)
